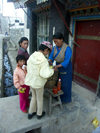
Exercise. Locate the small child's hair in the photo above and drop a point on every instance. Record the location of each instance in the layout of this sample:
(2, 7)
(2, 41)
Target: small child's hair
(43, 47)
(20, 57)
(22, 39)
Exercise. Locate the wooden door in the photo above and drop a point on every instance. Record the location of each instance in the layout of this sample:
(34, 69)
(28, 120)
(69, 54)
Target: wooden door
(86, 59)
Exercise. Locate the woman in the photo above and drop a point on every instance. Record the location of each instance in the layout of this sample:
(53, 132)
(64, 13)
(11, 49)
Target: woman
(62, 53)
(23, 45)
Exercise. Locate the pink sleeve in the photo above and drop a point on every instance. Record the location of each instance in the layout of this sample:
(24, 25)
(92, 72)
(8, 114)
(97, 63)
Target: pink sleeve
(16, 80)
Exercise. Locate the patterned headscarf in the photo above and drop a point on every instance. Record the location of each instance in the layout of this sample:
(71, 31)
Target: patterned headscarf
(48, 44)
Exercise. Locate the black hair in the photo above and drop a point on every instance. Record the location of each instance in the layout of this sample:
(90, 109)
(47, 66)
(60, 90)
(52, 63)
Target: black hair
(58, 35)
(20, 57)
(43, 47)
(22, 39)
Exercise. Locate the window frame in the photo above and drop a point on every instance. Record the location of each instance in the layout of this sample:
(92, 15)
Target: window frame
(42, 29)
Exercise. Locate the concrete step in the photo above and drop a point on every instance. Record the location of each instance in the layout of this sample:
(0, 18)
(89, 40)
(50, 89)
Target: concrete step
(71, 119)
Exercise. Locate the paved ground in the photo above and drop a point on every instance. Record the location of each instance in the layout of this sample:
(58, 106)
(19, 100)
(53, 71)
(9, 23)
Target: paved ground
(75, 117)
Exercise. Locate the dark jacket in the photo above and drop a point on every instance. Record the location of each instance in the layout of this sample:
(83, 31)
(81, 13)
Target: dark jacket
(24, 52)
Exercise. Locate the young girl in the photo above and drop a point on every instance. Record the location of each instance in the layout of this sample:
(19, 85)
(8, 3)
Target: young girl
(23, 45)
(38, 71)
(19, 77)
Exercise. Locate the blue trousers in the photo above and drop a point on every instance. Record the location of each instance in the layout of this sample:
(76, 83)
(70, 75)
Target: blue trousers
(66, 83)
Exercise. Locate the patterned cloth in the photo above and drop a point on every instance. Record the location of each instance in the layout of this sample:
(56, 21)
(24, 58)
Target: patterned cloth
(61, 55)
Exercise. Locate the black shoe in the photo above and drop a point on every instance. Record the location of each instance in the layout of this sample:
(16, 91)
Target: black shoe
(31, 115)
(40, 116)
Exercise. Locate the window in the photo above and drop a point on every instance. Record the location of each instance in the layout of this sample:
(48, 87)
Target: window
(42, 29)
(40, 1)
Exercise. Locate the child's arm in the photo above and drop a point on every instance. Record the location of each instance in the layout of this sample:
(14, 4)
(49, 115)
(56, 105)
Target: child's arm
(45, 70)
(16, 80)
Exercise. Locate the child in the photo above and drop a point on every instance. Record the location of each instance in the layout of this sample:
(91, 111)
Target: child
(38, 71)
(19, 77)
(23, 45)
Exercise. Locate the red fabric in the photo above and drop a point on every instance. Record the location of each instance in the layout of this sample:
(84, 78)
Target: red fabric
(23, 98)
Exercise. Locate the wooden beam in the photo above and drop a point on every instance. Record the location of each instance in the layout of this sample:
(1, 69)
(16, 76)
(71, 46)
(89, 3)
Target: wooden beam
(39, 9)
(87, 37)
(83, 8)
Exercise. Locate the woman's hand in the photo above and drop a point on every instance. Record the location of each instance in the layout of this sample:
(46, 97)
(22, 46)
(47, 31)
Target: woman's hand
(56, 67)
(50, 62)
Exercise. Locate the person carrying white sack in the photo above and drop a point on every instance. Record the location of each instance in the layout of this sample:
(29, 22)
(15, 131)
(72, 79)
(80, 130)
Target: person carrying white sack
(38, 71)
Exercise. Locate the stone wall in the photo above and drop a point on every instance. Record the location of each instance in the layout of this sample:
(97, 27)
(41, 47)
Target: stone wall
(15, 35)
(12, 44)
(1, 64)
(4, 26)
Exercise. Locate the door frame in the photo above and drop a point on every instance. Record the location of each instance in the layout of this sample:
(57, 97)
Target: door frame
(81, 18)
